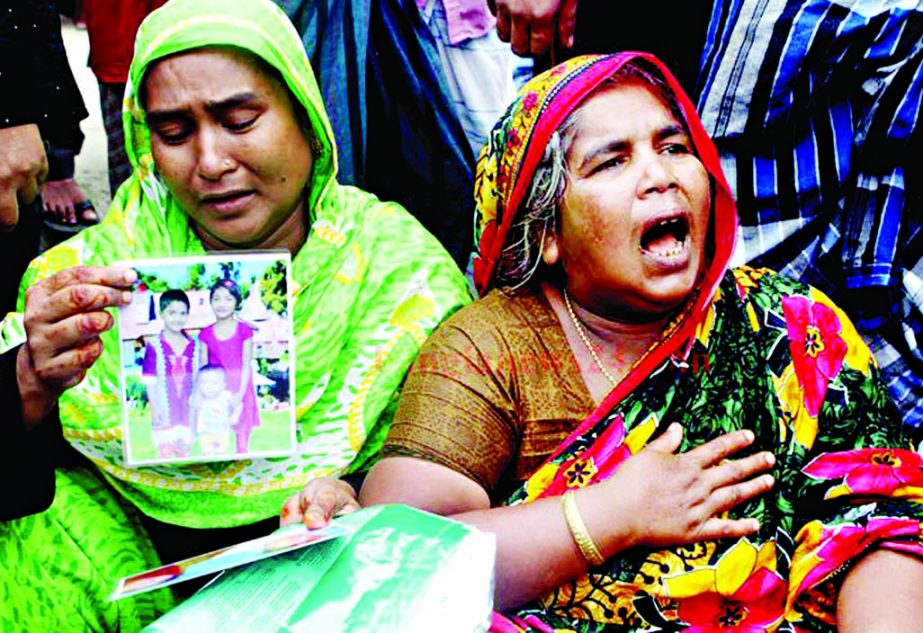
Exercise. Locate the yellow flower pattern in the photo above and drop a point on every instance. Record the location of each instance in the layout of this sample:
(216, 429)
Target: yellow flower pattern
(858, 354)
(795, 416)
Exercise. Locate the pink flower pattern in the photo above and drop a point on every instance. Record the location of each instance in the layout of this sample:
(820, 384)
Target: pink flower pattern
(841, 543)
(816, 346)
(758, 604)
(595, 463)
(878, 471)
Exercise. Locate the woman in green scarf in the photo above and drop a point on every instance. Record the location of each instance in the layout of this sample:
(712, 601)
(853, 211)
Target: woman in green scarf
(231, 149)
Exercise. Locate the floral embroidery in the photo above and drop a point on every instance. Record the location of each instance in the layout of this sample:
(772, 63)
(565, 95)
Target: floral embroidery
(704, 329)
(748, 278)
(540, 481)
(512, 139)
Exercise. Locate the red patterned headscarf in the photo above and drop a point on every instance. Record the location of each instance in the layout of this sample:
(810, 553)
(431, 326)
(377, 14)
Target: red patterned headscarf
(517, 143)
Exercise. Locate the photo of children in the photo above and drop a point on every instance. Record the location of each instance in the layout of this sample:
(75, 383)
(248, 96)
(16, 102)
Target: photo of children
(230, 344)
(170, 365)
(207, 360)
(215, 411)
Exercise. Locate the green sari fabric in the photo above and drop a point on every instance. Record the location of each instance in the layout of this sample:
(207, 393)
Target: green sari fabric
(369, 285)
(61, 566)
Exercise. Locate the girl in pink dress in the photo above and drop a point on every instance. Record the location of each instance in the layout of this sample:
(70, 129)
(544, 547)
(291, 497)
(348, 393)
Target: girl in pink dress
(230, 345)
(171, 362)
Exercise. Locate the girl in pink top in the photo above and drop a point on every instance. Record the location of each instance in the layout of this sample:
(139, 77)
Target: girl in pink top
(230, 345)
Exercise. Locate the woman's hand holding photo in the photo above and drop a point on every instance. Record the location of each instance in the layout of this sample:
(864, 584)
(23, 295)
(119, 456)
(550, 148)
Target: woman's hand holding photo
(64, 317)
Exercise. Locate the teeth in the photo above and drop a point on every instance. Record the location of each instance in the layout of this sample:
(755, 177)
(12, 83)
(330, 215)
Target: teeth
(673, 252)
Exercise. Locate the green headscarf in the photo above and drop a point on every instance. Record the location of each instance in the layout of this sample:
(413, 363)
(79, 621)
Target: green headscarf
(369, 284)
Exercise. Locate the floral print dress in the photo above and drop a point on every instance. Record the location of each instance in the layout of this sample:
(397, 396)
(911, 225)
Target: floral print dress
(779, 358)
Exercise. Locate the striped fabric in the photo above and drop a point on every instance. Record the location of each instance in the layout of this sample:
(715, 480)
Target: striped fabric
(827, 96)
(478, 72)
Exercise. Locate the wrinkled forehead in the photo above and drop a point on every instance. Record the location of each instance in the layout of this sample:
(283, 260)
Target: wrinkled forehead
(627, 78)
(209, 61)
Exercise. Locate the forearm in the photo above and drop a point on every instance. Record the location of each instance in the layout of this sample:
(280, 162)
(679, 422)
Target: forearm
(240, 395)
(244, 383)
(883, 592)
(536, 551)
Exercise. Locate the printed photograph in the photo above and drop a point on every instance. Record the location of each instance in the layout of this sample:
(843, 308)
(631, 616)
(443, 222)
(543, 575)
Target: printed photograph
(207, 359)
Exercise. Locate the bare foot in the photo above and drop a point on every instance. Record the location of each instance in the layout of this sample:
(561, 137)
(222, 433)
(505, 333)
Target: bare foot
(62, 199)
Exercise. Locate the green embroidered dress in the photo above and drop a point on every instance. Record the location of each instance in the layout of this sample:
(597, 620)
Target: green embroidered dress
(370, 284)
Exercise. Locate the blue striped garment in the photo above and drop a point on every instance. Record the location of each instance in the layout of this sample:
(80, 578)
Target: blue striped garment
(816, 109)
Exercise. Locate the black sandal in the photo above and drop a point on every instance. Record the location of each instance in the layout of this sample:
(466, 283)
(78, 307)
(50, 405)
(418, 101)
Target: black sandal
(81, 209)
(52, 221)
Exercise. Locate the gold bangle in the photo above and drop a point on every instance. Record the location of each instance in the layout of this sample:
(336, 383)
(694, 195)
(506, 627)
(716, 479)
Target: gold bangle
(577, 527)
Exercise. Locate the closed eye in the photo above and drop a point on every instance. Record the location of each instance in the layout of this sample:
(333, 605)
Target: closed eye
(610, 163)
(172, 133)
(239, 124)
(238, 117)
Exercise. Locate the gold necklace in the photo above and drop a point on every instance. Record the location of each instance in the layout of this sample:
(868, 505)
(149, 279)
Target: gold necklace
(586, 339)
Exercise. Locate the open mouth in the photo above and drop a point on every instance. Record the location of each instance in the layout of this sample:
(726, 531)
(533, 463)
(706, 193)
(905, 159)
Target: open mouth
(666, 238)
(227, 199)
